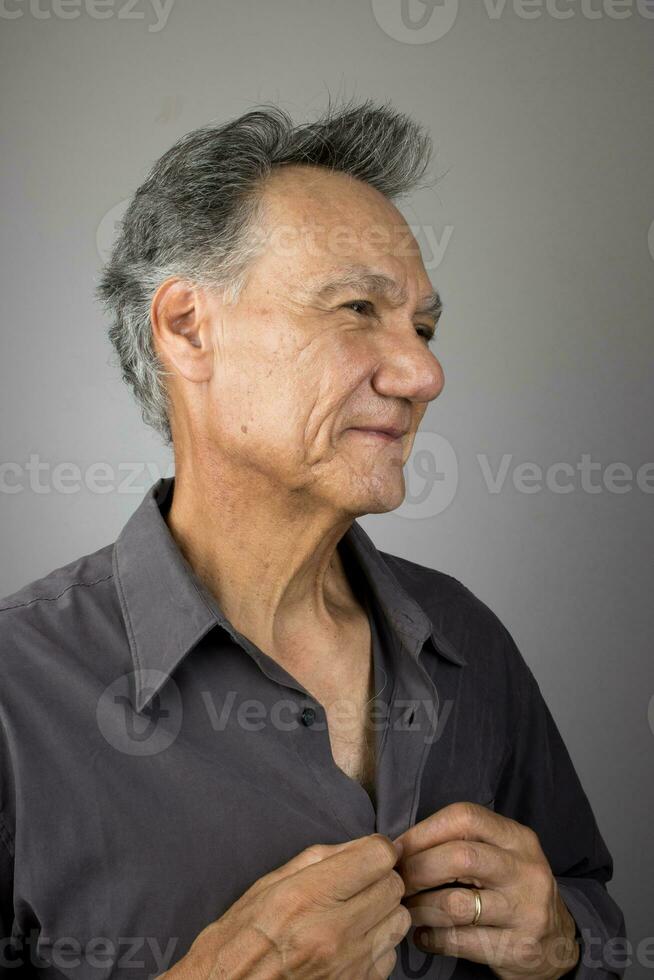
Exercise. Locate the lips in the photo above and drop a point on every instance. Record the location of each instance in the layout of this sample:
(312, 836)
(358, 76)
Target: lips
(390, 431)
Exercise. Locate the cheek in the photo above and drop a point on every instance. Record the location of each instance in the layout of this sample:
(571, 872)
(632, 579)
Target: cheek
(276, 397)
(347, 363)
(260, 408)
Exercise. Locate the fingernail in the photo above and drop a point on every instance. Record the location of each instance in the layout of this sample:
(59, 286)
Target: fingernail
(422, 936)
(399, 847)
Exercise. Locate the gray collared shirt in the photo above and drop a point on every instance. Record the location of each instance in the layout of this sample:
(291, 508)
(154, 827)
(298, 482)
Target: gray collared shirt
(154, 762)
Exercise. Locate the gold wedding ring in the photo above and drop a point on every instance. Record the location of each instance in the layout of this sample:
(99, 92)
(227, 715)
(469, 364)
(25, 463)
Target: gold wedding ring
(477, 914)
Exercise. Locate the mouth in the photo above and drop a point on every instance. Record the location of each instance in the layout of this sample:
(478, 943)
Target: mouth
(389, 434)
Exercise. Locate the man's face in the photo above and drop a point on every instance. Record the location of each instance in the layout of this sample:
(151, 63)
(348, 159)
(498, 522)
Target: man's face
(301, 362)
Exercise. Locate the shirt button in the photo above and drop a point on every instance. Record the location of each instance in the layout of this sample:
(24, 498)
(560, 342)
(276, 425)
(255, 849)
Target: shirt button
(308, 716)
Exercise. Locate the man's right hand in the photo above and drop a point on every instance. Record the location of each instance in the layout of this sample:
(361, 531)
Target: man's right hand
(333, 911)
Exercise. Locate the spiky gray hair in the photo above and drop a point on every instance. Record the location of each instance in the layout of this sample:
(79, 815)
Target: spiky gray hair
(192, 215)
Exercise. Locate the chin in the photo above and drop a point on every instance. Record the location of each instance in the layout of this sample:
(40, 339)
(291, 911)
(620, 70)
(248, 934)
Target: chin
(382, 496)
(378, 508)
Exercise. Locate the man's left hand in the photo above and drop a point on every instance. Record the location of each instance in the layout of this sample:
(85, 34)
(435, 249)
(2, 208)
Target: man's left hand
(525, 928)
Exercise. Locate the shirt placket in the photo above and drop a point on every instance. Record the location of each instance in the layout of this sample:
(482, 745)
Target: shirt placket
(412, 721)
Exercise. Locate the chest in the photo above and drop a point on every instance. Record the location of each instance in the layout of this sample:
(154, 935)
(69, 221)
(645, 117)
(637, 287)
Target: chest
(342, 681)
(350, 732)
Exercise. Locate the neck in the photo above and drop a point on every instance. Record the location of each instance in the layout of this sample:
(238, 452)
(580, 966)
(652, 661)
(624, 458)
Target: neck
(269, 557)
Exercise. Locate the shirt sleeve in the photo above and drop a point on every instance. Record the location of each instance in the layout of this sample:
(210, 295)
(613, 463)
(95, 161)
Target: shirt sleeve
(538, 786)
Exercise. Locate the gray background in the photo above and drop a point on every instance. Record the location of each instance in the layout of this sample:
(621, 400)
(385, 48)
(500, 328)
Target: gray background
(543, 130)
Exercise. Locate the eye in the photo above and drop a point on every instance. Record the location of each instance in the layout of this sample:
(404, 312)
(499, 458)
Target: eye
(367, 307)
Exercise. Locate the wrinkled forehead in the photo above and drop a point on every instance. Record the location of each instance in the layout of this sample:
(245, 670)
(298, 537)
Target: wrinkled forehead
(313, 218)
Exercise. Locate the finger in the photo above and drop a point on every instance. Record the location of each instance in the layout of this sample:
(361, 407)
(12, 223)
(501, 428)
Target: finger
(388, 933)
(487, 945)
(461, 821)
(469, 861)
(372, 904)
(354, 867)
(456, 907)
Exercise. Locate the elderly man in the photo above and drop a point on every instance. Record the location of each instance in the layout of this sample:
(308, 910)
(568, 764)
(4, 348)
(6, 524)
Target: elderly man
(241, 741)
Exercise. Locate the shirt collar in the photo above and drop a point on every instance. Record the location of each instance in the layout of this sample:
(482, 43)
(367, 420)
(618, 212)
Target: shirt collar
(167, 609)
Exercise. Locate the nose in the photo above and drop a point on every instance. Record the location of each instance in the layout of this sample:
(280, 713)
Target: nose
(409, 369)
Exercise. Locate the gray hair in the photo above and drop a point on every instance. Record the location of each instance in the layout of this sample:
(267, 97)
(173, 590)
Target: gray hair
(192, 214)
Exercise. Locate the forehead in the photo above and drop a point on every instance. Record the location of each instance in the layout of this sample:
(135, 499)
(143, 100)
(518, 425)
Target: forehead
(315, 218)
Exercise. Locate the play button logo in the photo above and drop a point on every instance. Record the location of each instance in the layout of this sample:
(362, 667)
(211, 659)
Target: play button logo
(415, 21)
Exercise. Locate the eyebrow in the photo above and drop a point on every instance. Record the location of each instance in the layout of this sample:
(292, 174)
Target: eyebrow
(365, 279)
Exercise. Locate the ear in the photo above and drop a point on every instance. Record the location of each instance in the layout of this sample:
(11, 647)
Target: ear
(181, 328)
